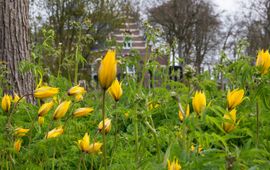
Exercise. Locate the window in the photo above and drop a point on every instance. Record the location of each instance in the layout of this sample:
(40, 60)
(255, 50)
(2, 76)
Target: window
(130, 70)
(127, 43)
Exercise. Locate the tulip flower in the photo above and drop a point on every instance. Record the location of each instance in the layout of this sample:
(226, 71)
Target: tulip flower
(108, 125)
(61, 110)
(263, 61)
(40, 120)
(95, 147)
(45, 92)
(234, 98)
(174, 165)
(115, 90)
(16, 98)
(18, 144)
(181, 115)
(55, 132)
(199, 102)
(45, 108)
(84, 143)
(230, 119)
(6, 103)
(83, 111)
(79, 97)
(73, 91)
(107, 70)
(21, 131)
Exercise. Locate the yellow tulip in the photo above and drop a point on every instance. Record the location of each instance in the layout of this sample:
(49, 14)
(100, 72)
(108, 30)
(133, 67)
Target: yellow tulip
(6, 103)
(21, 131)
(79, 97)
(174, 165)
(40, 120)
(73, 91)
(45, 108)
(234, 98)
(199, 102)
(61, 110)
(230, 119)
(263, 61)
(107, 70)
(16, 98)
(115, 90)
(18, 144)
(181, 115)
(45, 92)
(83, 111)
(84, 143)
(55, 132)
(108, 125)
(95, 147)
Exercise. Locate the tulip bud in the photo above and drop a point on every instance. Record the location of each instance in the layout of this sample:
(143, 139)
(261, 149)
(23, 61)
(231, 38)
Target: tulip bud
(55, 132)
(45, 92)
(115, 90)
(230, 119)
(174, 165)
(180, 114)
(263, 61)
(199, 102)
(234, 98)
(21, 132)
(45, 108)
(108, 125)
(6, 103)
(83, 112)
(61, 110)
(17, 145)
(84, 143)
(40, 120)
(73, 91)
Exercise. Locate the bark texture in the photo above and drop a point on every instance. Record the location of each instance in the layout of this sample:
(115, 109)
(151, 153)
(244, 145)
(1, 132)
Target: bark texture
(14, 44)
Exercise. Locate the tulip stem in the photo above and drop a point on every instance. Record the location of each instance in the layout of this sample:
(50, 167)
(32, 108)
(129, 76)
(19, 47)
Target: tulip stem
(103, 130)
(136, 137)
(115, 133)
(257, 122)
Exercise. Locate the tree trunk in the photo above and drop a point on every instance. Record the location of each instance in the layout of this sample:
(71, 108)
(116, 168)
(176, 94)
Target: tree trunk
(14, 45)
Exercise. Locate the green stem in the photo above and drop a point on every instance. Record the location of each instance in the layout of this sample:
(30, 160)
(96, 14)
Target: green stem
(84, 165)
(257, 122)
(103, 130)
(76, 66)
(136, 137)
(115, 133)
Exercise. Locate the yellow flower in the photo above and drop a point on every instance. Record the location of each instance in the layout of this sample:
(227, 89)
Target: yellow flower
(16, 98)
(115, 90)
(263, 61)
(95, 147)
(18, 144)
(153, 105)
(45, 92)
(40, 120)
(6, 103)
(79, 97)
(234, 98)
(174, 165)
(61, 110)
(230, 119)
(84, 143)
(192, 148)
(45, 108)
(21, 131)
(181, 115)
(108, 125)
(73, 91)
(83, 111)
(55, 132)
(107, 70)
(199, 102)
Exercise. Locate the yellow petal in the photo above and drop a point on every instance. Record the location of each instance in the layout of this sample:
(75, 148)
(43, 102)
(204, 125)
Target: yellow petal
(45, 108)
(61, 110)
(83, 111)
(45, 92)
(55, 132)
(115, 90)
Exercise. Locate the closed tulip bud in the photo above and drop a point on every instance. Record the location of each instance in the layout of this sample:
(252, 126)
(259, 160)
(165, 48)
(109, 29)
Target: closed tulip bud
(45, 92)
(199, 102)
(73, 91)
(230, 119)
(79, 97)
(84, 143)
(6, 103)
(83, 111)
(17, 145)
(174, 165)
(181, 115)
(234, 98)
(16, 98)
(107, 127)
(40, 120)
(61, 110)
(107, 70)
(263, 61)
(115, 90)
(95, 147)
(21, 132)
(45, 108)
(55, 132)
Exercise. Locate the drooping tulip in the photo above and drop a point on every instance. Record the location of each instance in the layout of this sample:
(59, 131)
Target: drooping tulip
(107, 125)
(263, 61)
(21, 131)
(115, 90)
(61, 110)
(41, 120)
(107, 70)
(199, 102)
(76, 90)
(45, 108)
(16, 98)
(55, 132)
(234, 98)
(17, 145)
(83, 111)
(45, 92)
(230, 119)
(174, 165)
(6, 103)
